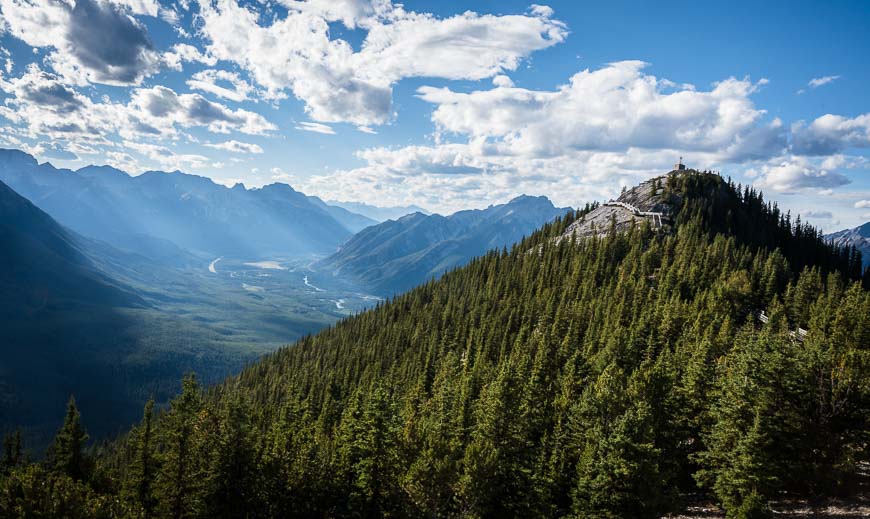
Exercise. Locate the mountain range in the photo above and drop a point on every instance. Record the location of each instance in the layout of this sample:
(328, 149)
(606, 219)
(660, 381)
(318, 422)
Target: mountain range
(397, 255)
(141, 213)
(115, 327)
(379, 214)
(115, 305)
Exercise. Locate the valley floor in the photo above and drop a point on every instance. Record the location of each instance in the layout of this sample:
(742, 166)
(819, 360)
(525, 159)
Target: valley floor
(210, 318)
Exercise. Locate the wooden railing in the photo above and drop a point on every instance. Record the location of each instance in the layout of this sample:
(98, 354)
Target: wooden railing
(656, 216)
(799, 334)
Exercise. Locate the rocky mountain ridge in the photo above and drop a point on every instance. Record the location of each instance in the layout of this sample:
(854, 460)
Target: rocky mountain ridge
(646, 201)
(190, 211)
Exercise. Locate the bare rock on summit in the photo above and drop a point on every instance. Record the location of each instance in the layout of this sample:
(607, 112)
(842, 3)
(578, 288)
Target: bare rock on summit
(648, 201)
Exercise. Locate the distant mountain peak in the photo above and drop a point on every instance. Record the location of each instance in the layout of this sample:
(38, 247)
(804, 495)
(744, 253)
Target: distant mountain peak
(859, 237)
(278, 187)
(102, 173)
(416, 215)
(17, 157)
(377, 213)
(530, 198)
(105, 168)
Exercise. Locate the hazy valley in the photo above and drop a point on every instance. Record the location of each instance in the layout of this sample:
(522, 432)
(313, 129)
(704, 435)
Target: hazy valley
(195, 292)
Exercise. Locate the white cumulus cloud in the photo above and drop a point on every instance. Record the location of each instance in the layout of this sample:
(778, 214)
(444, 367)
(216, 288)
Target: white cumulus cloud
(604, 128)
(222, 83)
(183, 52)
(40, 105)
(797, 173)
(612, 108)
(296, 54)
(92, 40)
(236, 147)
(831, 134)
(308, 126)
(160, 106)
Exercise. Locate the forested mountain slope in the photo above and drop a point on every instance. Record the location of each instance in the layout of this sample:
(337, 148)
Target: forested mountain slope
(397, 255)
(601, 377)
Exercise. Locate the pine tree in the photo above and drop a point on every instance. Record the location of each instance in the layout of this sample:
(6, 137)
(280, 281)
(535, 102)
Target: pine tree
(231, 477)
(752, 446)
(67, 451)
(179, 480)
(376, 459)
(13, 452)
(432, 478)
(143, 468)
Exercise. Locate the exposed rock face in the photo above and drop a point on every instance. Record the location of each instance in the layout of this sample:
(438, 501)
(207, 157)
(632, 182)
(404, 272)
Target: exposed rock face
(647, 201)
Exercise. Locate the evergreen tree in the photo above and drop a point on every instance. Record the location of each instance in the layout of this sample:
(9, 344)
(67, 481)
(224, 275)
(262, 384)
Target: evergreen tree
(373, 456)
(13, 452)
(179, 479)
(67, 451)
(619, 473)
(143, 466)
(231, 475)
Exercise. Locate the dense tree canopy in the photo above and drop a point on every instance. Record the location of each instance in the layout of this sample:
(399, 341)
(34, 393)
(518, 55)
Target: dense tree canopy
(606, 377)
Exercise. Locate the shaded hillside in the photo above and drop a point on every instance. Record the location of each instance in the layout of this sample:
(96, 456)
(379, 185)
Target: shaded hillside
(51, 295)
(142, 213)
(397, 255)
(43, 267)
(78, 316)
(603, 377)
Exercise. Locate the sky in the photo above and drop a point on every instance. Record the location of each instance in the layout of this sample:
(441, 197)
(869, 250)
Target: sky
(450, 105)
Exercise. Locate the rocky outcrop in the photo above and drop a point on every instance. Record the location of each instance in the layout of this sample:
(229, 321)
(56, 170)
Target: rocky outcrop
(646, 202)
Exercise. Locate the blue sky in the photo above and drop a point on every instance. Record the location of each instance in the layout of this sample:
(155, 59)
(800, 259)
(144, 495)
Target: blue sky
(449, 105)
